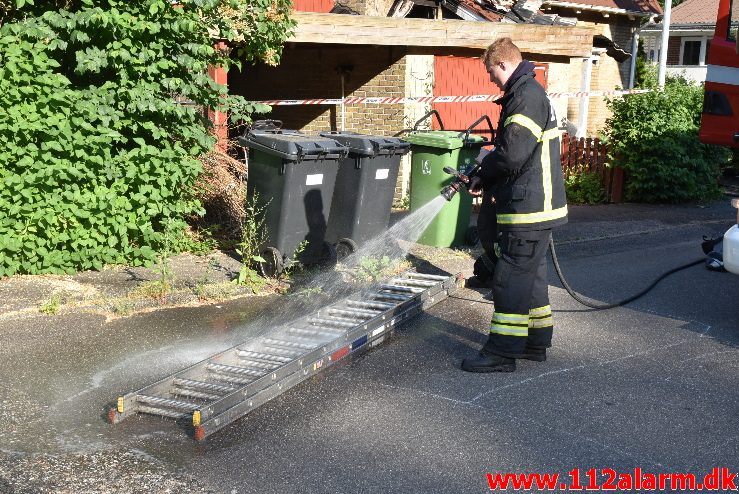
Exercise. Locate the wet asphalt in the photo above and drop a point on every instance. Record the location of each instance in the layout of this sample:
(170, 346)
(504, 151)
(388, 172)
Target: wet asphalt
(652, 385)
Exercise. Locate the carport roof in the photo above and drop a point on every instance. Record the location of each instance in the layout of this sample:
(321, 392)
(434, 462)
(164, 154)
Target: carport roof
(567, 41)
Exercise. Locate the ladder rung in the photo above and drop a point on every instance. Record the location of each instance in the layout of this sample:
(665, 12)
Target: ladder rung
(432, 277)
(401, 289)
(352, 314)
(204, 386)
(256, 364)
(292, 352)
(163, 412)
(378, 306)
(331, 322)
(315, 332)
(232, 369)
(412, 282)
(365, 311)
(166, 402)
(291, 344)
(191, 393)
(392, 296)
(267, 357)
(229, 378)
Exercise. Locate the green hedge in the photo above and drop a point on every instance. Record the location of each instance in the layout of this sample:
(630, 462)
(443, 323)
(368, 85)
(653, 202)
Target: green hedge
(654, 137)
(98, 158)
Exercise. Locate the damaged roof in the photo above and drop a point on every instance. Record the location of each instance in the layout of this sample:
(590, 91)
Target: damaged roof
(528, 11)
(631, 6)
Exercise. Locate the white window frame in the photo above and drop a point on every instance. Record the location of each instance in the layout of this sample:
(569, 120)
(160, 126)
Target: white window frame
(701, 55)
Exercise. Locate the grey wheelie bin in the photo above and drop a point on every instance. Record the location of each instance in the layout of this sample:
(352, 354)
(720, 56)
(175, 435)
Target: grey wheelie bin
(431, 151)
(365, 186)
(292, 175)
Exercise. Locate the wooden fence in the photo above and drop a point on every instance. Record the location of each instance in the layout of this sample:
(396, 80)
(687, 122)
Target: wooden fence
(589, 155)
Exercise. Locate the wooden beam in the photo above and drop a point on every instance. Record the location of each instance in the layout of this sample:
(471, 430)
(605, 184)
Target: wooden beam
(564, 41)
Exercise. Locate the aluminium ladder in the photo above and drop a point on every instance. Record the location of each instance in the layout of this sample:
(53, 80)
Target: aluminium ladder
(223, 388)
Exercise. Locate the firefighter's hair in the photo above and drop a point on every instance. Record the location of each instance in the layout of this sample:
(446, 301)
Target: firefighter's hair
(502, 49)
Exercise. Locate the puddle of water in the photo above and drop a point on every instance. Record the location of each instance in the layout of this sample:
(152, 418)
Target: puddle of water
(81, 399)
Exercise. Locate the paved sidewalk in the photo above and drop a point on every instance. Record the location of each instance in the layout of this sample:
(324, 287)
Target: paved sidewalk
(650, 385)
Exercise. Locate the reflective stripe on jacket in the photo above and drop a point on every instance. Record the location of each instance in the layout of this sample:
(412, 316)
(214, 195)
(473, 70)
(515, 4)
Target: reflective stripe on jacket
(524, 169)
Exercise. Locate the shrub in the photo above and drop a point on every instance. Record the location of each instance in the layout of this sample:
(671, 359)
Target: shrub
(99, 151)
(585, 188)
(654, 137)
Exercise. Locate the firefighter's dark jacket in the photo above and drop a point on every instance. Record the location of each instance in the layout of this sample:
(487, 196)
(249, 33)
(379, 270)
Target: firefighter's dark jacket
(524, 170)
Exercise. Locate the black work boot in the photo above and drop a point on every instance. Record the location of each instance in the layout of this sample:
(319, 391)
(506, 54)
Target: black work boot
(485, 362)
(478, 282)
(535, 354)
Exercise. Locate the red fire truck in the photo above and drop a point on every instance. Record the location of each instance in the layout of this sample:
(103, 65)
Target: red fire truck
(720, 118)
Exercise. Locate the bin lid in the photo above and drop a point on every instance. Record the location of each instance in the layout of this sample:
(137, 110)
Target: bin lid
(444, 139)
(292, 145)
(369, 145)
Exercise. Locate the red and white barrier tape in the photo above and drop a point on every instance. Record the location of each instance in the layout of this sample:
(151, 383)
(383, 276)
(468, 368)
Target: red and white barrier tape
(475, 98)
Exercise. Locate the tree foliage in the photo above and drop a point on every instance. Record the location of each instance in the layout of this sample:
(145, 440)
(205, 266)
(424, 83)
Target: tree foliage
(654, 137)
(101, 121)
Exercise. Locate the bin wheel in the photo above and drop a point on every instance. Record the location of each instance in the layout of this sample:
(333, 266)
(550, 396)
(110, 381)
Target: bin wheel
(345, 247)
(273, 264)
(328, 256)
(472, 236)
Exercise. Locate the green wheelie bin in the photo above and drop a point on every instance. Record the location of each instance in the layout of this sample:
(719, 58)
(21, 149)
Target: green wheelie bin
(431, 151)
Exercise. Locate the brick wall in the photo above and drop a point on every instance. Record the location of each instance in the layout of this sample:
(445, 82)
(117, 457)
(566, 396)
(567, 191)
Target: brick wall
(607, 74)
(673, 50)
(313, 72)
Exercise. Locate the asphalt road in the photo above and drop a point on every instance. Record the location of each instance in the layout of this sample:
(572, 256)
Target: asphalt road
(650, 386)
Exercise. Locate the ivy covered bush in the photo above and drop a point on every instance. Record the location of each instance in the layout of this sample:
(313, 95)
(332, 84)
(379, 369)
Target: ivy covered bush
(654, 137)
(101, 121)
(585, 188)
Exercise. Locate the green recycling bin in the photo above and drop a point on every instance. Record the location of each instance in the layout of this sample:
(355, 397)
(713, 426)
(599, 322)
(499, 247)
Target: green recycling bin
(430, 152)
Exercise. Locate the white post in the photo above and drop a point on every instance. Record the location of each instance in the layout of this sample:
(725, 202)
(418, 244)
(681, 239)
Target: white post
(342, 101)
(634, 54)
(582, 117)
(665, 39)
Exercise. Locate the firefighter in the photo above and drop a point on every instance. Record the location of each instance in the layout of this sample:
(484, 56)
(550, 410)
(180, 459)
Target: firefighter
(527, 188)
(487, 231)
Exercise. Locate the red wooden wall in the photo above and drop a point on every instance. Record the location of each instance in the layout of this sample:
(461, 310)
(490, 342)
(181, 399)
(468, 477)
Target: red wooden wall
(461, 76)
(313, 5)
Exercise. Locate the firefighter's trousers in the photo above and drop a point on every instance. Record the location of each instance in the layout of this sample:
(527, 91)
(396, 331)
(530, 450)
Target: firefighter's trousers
(523, 317)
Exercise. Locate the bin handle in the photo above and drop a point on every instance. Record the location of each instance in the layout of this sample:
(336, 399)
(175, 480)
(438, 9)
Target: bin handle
(342, 151)
(490, 124)
(395, 146)
(432, 112)
(269, 124)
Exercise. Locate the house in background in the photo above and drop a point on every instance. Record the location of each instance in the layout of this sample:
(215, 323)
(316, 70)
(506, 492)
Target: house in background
(615, 24)
(373, 50)
(416, 48)
(692, 24)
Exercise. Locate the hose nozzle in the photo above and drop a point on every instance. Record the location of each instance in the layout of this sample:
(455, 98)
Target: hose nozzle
(450, 190)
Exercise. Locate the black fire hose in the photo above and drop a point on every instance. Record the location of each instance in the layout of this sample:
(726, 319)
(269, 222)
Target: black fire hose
(462, 179)
(623, 302)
